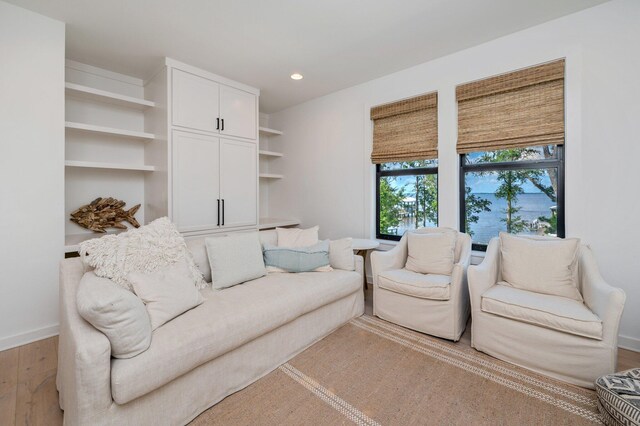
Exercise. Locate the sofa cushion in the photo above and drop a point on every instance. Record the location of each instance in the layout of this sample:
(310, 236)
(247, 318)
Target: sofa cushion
(235, 259)
(117, 313)
(296, 237)
(424, 286)
(543, 265)
(226, 320)
(544, 310)
(144, 249)
(431, 253)
(297, 259)
(166, 292)
(198, 249)
(341, 254)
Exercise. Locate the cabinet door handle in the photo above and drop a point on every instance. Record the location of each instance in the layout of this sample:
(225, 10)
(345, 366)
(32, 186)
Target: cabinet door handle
(222, 127)
(217, 123)
(223, 212)
(218, 224)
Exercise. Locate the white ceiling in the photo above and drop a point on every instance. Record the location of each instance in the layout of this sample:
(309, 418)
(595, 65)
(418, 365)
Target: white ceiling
(333, 43)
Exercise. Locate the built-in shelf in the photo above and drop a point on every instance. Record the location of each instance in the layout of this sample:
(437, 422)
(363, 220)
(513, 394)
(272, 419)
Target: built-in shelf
(113, 166)
(270, 153)
(270, 132)
(270, 176)
(86, 92)
(272, 222)
(71, 242)
(108, 130)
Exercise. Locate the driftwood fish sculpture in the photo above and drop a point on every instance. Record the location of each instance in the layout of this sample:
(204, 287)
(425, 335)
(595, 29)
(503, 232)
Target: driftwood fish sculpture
(103, 213)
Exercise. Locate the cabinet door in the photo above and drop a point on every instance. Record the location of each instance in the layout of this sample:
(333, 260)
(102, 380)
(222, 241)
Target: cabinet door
(196, 181)
(239, 183)
(238, 110)
(195, 102)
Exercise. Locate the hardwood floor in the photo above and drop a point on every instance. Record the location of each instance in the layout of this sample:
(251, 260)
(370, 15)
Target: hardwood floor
(28, 394)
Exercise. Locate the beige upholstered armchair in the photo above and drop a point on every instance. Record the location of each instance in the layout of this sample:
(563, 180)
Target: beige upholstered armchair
(430, 303)
(572, 340)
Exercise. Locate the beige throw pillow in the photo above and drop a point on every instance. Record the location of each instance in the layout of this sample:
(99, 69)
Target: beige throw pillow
(431, 253)
(166, 292)
(341, 254)
(296, 237)
(116, 312)
(235, 259)
(547, 266)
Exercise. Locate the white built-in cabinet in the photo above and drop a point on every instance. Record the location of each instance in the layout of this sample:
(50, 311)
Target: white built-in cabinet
(211, 129)
(214, 183)
(203, 104)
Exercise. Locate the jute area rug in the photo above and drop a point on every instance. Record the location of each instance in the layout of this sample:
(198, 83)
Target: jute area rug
(371, 372)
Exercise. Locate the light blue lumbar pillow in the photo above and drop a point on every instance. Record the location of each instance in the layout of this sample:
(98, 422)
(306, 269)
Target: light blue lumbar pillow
(235, 259)
(297, 259)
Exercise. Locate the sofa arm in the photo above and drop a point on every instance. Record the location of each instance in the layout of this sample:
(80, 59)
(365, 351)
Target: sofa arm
(481, 277)
(387, 260)
(84, 355)
(604, 300)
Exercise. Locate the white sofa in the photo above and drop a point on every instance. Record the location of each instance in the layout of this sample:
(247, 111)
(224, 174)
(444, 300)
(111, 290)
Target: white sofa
(432, 304)
(235, 337)
(559, 337)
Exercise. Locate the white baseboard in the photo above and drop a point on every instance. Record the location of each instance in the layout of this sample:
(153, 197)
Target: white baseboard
(28, 337)
(631, 343)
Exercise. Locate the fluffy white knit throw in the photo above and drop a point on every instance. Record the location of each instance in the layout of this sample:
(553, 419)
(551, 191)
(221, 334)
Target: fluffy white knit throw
(145, 249)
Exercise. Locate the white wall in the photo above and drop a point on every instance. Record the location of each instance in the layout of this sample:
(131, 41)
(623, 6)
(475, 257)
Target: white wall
(329, 179)
(31, 173)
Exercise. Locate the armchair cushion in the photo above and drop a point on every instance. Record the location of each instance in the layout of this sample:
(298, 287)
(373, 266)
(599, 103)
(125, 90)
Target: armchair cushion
(544, 310)
(431, 253)
(541, 265)
(424, 286)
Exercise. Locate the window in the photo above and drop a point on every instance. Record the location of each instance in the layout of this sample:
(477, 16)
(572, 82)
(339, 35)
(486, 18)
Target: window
(405, 152)
(511, 146)
(517, 190)
(406, 197)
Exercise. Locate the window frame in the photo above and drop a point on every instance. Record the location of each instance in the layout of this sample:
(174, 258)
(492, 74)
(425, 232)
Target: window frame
(401, 172)
(558, 162)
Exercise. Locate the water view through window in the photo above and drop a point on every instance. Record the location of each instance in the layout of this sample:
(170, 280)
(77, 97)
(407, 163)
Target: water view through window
(516, 206)
(512, 190)
(407, 197)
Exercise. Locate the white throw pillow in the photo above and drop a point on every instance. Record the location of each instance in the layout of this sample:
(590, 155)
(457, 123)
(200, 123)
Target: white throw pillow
(541, 265)
(166, 292)
(235, 259)
(145, 249)
(341, 254)
(116, 312)
(431, 253)
(296, 237)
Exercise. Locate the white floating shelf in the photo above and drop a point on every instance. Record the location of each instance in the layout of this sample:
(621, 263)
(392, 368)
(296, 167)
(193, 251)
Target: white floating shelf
(271, 222)
(71, 242)
(86, 92)
(270, 132)
(108, 130)
(113, 166)
(270, 153)
(270, 176)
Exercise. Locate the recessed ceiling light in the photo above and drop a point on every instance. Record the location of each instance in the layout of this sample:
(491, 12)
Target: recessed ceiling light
(296, 76)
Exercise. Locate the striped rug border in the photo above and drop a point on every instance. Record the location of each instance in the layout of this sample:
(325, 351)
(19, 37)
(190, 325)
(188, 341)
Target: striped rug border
(550, 399)
(590, 402)
(330, 398)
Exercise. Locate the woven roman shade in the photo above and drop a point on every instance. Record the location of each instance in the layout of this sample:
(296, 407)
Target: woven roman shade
(406, 130)
(514, 110)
